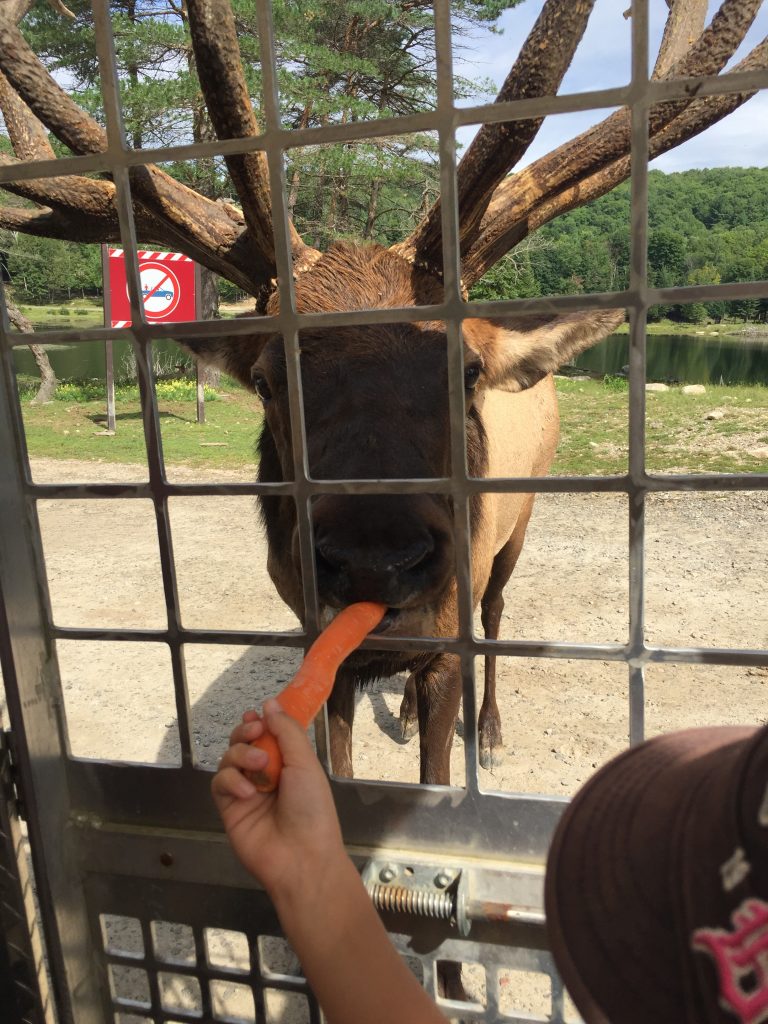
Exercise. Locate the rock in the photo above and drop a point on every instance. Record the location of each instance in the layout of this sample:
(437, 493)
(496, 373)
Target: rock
(657, 387)
(694, 389)
(716, 414)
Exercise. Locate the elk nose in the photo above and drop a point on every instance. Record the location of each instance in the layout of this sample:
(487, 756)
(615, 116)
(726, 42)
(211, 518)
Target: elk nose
(347, 573)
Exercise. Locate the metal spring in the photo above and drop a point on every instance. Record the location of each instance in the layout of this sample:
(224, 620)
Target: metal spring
(423, 902)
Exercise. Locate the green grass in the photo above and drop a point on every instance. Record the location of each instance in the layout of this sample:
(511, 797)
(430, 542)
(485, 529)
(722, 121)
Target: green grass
(594, 428)
(78, 313)
(63, 430)
(595, 422)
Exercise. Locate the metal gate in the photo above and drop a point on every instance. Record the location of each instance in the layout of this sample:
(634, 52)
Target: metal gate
(146, 914)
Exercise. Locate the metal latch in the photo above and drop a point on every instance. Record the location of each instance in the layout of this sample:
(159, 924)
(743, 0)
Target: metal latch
(412, 888)
(457, 894)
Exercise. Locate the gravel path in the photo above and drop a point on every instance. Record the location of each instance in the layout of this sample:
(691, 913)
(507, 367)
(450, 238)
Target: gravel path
(705, 586)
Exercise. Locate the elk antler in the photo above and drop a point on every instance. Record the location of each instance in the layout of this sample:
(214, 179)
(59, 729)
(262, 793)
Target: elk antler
(217, 53)
(685, 23)
(545, 57)
(699, 116)
(598, 159)
(571, 174)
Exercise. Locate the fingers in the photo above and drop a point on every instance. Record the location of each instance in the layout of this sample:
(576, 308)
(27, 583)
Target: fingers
(248, 730)
(243, 757)
(230, 781)
(228, 784)
(291, 738)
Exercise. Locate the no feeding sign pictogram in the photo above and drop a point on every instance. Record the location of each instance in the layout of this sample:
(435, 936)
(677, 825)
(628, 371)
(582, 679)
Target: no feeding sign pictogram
(169, 294)
(168, 287)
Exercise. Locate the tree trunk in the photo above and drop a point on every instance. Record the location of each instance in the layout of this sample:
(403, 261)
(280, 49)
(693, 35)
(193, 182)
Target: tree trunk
(293, 192)
(133, 75)
(209, 310)
(373, 203)
(48, 380)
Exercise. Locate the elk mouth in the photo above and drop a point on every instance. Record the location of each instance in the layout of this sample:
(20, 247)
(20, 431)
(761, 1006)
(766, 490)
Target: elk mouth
(413, 621)
(388, 622)
(370, 665)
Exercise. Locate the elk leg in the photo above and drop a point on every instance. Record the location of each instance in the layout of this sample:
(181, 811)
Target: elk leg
(409, 719)
(490, 742)
(438, 695)
(341, 715)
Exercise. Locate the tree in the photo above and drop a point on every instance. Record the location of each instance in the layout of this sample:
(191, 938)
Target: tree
(161, 98)
(693, 239)
(48, 381)
(376, 60)
(498, 209)
(698, 312)
(743, 268)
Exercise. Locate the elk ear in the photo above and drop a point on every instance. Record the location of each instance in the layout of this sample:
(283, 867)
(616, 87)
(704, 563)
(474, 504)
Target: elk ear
(519, 351)
(234, 355)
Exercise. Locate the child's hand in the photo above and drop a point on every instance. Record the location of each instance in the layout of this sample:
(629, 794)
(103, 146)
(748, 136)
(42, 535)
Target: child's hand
(292, 833)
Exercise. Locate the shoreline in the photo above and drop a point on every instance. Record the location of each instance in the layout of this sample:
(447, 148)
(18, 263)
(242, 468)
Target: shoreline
(743, 332)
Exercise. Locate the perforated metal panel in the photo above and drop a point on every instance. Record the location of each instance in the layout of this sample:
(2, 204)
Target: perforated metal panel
(147, 915)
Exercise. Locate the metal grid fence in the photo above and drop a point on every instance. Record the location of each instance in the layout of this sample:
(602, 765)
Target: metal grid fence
(92, 793)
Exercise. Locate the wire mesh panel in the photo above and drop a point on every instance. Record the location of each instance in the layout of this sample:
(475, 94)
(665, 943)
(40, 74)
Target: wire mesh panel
(148, 916)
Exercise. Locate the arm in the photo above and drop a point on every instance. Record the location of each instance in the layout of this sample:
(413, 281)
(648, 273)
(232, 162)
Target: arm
(291, 841)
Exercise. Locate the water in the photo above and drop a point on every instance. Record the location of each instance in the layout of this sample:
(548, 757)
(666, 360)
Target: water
(86, 361)
(692, 359)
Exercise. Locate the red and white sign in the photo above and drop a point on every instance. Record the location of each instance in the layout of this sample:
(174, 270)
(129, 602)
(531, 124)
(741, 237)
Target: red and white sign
(167, 287)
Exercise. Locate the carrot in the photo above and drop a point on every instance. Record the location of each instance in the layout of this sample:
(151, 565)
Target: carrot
(306, 693)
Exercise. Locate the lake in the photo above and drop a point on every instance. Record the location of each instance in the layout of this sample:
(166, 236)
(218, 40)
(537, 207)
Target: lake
(692, 359)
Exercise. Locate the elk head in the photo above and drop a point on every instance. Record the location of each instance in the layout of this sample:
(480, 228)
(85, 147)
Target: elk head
(376, 406)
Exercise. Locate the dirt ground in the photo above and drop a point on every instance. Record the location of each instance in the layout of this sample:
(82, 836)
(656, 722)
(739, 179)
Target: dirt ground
(705, 587)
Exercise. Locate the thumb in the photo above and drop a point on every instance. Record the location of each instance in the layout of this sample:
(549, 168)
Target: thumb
(291, 738)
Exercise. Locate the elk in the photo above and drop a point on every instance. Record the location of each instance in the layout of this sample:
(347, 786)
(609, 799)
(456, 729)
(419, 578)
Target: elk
(375, 397)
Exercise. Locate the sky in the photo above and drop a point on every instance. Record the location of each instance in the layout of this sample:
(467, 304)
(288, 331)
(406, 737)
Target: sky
(603, 61)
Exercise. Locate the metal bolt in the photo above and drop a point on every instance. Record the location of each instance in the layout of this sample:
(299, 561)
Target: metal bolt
(387, 873)
(166, 859)
(443, 879)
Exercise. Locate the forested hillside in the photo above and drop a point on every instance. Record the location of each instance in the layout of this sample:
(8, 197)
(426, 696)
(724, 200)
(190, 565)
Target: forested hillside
(705, 227)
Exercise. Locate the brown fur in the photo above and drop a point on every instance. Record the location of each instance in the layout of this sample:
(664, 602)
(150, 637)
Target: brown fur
(376, 407)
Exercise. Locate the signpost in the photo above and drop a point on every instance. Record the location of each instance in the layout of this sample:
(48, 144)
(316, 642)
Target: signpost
(170, 292)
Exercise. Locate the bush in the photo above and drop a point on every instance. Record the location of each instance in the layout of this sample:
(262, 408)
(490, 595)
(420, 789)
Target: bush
(614, 383)
(95, 390)
(181, 391)
(81, 312)
(81, 391)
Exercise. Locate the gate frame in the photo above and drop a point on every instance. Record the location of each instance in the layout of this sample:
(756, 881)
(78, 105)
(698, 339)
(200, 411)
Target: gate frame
(158, 823)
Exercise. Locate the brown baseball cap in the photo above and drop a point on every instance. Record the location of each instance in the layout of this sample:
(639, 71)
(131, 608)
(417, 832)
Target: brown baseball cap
(657, 883)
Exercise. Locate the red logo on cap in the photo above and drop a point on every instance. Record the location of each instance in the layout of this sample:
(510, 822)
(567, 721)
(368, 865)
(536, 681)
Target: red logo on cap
(741, 959)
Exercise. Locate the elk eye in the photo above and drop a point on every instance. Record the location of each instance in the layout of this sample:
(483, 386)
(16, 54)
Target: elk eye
(471, 376)
(261, 387)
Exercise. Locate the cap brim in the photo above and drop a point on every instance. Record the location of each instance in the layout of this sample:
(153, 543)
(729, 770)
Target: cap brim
(615, 899)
